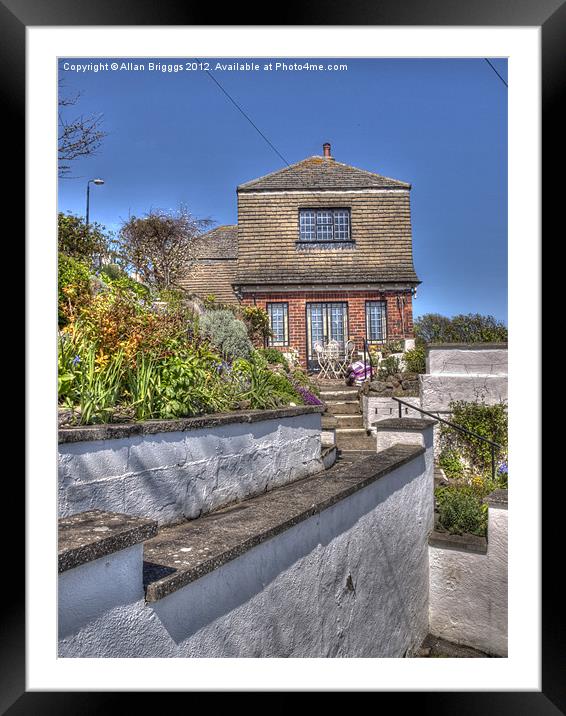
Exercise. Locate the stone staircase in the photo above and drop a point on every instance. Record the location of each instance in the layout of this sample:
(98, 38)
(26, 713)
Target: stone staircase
(344, 415)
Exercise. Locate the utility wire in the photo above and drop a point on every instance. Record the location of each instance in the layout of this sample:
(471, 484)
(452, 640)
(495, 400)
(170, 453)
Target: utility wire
(257, 129)
(496, 72)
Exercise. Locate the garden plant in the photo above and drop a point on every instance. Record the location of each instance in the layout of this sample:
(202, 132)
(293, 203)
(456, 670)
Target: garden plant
(131, 351)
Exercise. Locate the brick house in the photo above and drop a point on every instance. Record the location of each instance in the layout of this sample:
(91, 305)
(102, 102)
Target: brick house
(325, 248)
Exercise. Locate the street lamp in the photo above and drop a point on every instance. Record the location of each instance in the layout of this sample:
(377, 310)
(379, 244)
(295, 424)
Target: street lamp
(90, 181)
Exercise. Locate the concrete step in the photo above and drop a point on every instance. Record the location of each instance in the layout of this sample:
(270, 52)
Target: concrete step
(328, 421)
(349, 457)
(354, 439)
(327, 438)
(349, 421)
(332, 395)
(357, 445)
(343, 407)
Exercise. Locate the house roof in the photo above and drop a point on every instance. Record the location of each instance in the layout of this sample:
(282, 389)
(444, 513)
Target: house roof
(214, 270)
(220, 243)
(322, 173)
(212, 277)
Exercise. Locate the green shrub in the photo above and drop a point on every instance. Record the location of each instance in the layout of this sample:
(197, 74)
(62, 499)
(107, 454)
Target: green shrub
(415, 360)
(83, 243)
(74, 287)
(301, 378)
(463, 328)
(257, 323)
(389, 366)
(189, 385)
(394, 346)
(262, 387)
(99, 386)
(226, 333)
(274, 357)
(112, 271)
(450, 462)
(461, 510)
(144, 386)
(489, 421)
(120, 281)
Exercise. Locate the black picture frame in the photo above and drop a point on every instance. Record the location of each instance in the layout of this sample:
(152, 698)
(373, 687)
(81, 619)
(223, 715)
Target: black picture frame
(550, 15)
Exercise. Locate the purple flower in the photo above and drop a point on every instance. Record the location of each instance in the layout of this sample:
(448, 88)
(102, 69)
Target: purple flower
(307, 396)
(502, 469)
(76, 359)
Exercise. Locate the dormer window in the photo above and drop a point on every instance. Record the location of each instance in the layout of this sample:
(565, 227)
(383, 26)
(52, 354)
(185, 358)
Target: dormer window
(324, 227)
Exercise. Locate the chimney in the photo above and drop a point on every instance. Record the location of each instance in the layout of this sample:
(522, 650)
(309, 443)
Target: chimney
(326, 150)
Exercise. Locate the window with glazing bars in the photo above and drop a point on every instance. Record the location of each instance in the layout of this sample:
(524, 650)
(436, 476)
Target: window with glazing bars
(376, 320)
(279, 323)
(324, 224)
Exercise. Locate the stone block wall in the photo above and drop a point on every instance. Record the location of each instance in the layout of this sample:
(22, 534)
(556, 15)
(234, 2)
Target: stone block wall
(182, 469)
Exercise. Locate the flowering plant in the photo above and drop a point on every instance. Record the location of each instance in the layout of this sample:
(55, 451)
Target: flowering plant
(306, 395)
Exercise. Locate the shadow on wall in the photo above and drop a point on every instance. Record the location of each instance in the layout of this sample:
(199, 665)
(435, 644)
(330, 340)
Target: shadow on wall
(325, 568)
(171, 475)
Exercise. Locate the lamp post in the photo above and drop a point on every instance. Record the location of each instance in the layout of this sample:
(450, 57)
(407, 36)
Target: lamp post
(90, 181)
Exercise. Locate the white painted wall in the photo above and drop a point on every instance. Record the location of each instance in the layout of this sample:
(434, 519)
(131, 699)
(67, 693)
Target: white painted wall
(471, 373)
(438, 391)
(475, 359)
(376, 409)
(175, 475)
(289, 596)
(468, 592)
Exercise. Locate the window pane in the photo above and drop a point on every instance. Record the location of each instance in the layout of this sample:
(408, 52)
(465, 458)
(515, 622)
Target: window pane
(278, 323)
(307, 225)
(375, 320)
(337, 322)
(317, 323)
(324, 221)
(342, 225)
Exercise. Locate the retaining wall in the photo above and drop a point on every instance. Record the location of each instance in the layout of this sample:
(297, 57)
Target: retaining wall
(332, 566)
(470, 372)
(174, 469)
(468, 584)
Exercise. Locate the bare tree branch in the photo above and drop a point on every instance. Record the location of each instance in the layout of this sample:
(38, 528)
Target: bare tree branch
(79, 137)
(161, 245)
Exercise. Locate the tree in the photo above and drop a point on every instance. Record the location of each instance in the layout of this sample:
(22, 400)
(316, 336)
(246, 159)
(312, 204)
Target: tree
(464, 328)
(78, 137)
(160, 247)
(80, 242)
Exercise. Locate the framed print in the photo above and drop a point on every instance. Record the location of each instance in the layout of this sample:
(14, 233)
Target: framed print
(262, 215)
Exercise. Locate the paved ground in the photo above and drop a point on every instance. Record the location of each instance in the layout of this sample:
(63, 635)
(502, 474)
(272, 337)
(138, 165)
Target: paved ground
(434, 647)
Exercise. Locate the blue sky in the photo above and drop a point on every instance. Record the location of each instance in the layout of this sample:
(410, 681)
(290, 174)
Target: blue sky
(174, 137)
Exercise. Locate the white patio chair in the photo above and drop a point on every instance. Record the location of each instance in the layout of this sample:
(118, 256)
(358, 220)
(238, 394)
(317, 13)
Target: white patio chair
(322, 359)
(333, 357)
(349, 349)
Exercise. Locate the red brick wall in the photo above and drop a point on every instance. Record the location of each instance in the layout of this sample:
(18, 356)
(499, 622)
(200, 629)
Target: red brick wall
(356, 301)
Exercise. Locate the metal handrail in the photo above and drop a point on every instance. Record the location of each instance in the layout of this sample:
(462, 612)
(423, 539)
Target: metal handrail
(492, 444)
(368, 361)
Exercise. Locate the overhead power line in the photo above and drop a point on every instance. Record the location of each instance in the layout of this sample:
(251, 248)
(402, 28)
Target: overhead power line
(254, 125)
(496, 72)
